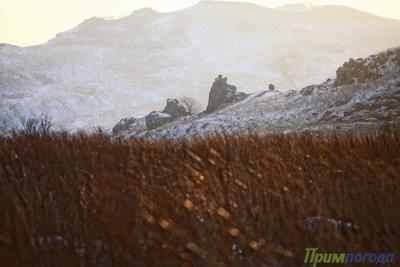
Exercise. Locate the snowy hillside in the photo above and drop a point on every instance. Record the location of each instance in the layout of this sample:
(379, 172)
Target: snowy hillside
(104, 70)
(365, 92)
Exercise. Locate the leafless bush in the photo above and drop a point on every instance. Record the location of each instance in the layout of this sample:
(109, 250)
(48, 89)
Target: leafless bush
(31, 126)
(41, 125)
(191, 105)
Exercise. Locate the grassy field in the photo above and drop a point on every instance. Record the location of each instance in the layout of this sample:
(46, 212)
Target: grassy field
(80, 200)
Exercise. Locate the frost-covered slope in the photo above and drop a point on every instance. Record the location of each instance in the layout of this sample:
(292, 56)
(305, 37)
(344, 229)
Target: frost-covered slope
(103, 70)
(335, 104)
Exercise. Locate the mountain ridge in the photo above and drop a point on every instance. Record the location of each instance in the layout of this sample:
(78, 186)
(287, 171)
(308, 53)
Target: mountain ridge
(226, 4)
(103, 70)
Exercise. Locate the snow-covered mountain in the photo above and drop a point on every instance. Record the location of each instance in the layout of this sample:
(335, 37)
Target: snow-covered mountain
(365, 93)
(103, 70)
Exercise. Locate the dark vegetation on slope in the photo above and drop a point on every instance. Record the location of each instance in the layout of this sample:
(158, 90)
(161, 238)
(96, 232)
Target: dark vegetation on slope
(78, 200)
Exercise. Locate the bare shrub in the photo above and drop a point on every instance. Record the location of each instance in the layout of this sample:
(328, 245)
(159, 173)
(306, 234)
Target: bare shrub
(41, 125)
(191, 105)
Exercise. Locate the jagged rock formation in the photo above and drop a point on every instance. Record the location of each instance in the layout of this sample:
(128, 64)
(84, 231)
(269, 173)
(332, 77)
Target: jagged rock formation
(222, 94)
(306, 91)
(364, 103)
(129, 124)
(123, 125)
(175, 109)
(333, 104)
(156, 119)
(172, 111)
(362, 70)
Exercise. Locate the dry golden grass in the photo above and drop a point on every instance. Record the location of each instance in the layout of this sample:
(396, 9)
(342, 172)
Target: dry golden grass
(221, 201)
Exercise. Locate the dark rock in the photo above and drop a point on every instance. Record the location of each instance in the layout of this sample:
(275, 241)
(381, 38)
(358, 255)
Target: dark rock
(156, 119)
(307, 90)
(397, 58)
(328, 115)
(359, 106)
(175, 109)
(172, 111)
(341, 102)
(363, 70)
(123, 125)
(271, 87)
(222, 94)
(292, 93)
(348, 113)
(129, 124)
(355, 71)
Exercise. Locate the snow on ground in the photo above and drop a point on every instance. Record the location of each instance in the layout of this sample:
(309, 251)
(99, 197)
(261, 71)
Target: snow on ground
(104, 70)
(327, 106)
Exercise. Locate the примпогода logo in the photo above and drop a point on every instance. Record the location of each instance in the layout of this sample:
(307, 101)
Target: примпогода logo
(313, 257)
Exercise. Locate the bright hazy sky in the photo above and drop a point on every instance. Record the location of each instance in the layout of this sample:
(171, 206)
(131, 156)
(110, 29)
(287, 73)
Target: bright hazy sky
(29, 22)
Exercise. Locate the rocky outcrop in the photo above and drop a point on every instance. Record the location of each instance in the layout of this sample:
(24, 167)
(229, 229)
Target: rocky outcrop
(222, 94)
(156, 119)
(123, 125)
(316, 108)
(363, 70)
(129, 124)
(308, 90)
(172, 111)
(175, 109)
